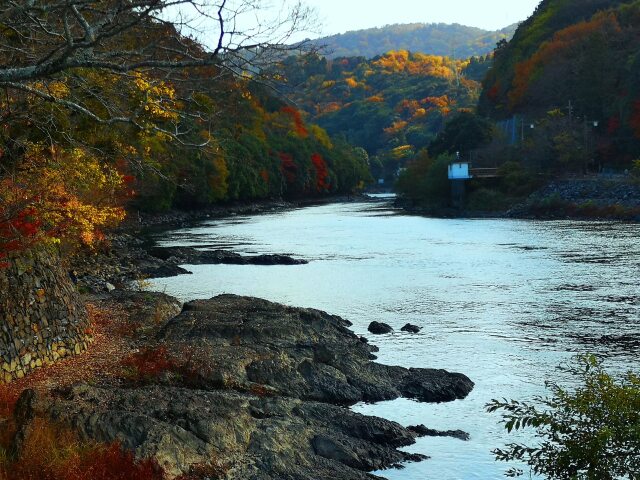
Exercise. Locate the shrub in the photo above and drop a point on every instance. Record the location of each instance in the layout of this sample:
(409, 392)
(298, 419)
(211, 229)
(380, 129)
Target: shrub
(635, 170)
(149, 364)
(487, 200)
(592, 432)
(52, 452)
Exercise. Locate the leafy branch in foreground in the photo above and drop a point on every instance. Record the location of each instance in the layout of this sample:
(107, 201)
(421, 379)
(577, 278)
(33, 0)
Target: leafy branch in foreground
(590, 432)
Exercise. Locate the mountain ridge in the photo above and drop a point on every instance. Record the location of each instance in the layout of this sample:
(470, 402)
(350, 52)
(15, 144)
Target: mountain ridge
(441, 39)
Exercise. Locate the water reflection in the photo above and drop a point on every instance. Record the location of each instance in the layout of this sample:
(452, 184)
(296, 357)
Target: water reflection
(503, 301)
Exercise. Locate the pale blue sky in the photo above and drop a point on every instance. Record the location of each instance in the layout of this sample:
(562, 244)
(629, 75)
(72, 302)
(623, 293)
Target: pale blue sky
(339, 16)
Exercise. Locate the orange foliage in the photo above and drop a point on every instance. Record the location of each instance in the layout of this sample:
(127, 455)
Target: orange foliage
(375, 99)
(53, 452)
(331, 107)
(299, 127)
(351, 82)
(396, 127)
(444, 103)
(416, 64)
(560, 45)
(58, 194)
(322, 172)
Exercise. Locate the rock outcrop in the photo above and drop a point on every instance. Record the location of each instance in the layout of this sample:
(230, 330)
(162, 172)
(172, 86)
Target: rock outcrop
(193, 256)
(263, 397)
(409, 328)
(296, 352)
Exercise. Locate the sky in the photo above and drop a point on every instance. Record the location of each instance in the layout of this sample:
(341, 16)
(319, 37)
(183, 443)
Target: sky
(339, 16)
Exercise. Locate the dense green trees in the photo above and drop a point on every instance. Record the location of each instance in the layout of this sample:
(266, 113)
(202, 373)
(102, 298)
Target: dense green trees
(562, 97)
(265, 150)
(435, 39)
(463, 133)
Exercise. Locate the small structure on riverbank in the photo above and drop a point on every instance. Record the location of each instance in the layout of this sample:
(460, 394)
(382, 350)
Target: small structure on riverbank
(459, 173)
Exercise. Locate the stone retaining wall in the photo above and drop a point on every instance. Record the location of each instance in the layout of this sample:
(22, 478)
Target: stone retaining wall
(41, 317)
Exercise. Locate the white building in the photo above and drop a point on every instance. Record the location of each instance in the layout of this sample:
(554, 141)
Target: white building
(459, 171)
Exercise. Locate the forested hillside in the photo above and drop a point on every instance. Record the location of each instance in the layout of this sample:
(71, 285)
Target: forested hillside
(432, 38)
(578, 59)
(392, 106)
(561, 98)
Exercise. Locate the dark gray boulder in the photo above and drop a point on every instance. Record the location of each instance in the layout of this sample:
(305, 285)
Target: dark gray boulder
(379, 328)
(422, 431)
(411, 328)
(193, 256)
(256, 389)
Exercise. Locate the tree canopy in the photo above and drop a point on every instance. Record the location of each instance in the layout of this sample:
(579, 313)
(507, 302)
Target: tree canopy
(109, 104)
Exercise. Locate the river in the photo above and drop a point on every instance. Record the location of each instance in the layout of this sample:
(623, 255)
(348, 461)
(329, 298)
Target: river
(503, 301)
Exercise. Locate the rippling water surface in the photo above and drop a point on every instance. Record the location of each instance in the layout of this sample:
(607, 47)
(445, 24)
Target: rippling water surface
(503, 301)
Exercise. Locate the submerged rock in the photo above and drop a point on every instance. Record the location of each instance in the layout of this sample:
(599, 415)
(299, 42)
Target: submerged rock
(192, 256)
(422, 431)
(378, 328)
(411, 328)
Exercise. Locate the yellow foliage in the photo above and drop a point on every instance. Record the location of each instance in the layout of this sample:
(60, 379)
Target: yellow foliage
(419, 113)
(73, 193)
(219, 180)
(396, 127)
(351, 82)
(321, 135)
(403, 151)
(156, 97)
(417, 64)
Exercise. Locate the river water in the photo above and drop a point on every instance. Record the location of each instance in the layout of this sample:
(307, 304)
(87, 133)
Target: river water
(503, 301)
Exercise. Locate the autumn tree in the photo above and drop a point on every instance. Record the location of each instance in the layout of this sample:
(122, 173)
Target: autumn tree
(97, 97)
(73, 71)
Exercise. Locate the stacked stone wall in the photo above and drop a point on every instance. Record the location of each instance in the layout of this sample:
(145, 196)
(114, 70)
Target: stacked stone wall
(42, 319)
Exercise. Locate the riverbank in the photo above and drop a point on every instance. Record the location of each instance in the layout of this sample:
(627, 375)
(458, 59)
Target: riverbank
(126, 256)
(234, 385)
(589, 198)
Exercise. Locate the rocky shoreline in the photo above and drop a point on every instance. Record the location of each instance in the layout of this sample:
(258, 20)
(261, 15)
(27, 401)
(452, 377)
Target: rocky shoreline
(128, 255)
(233, 387)
(249, 388)
(589, 198)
